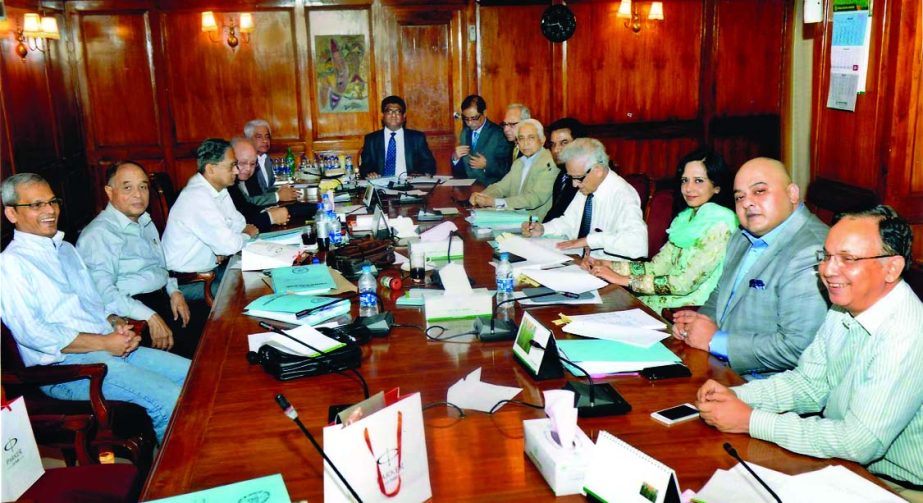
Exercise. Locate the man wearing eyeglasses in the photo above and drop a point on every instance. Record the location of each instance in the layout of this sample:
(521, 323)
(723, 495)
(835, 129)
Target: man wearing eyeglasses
(122, 251)
(605, 215)
(395, 150)
(515, 113)
(562, 133)
(51, 305)
(768, 302)
(529, 183)
(204, 227)
(482, 153)
(262, 189)
(262, 217)
(862, 375)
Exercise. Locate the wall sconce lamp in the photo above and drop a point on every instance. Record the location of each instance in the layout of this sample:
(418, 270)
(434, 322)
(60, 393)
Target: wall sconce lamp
(229, 28)
(33, 31)
(632, 16)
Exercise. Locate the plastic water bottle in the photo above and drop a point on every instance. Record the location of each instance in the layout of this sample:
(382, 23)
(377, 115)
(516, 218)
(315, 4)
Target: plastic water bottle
(333, 228)
(504, 278)
(320, 221)
(368, 296)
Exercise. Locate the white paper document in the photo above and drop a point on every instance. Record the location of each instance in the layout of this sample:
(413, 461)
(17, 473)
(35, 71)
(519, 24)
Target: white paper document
(455, 280)
(304, 333)
(258, 255)
(447, 211)
(629, 318)
(552, 245)
(439, 232)
(472, 393)
(403, 227)
(571, 279)
(517, 245)
(459, 182)
(640, 337)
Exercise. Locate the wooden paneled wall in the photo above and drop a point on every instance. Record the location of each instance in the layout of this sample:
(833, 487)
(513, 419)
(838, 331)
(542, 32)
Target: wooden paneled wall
(152, 85)
(880, 145)
(40, 126)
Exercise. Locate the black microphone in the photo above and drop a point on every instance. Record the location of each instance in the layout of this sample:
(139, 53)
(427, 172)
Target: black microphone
(322, 358)
(448, 253)
(424, 215)
(505, 330)
(592, 400)
(293, 415)
(733, 452)
(397, 185)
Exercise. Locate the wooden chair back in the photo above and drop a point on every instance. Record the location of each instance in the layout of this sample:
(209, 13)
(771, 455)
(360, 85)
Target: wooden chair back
(658, 218)
(163, 195)
(642, 184)
(826, 198)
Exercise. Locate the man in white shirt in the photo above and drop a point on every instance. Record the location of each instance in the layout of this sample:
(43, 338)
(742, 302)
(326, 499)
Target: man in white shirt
(605, 214)
(204, 227)
(262, 190)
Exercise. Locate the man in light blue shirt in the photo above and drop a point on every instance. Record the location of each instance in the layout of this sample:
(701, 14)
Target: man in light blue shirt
(122, 251)
(769, 301)
(56, 316)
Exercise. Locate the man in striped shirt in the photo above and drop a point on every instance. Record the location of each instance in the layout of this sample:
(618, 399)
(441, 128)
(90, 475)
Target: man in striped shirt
(862, 375)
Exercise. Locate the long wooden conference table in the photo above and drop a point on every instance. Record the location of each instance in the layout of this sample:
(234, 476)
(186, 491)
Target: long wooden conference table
(227, 427)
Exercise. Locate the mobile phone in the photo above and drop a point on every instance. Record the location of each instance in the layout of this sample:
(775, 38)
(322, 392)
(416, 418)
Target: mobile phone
(666, 372)
(676, 414)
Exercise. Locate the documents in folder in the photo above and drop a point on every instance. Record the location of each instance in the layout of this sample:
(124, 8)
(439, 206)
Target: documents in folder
(286, 237)
(517, 245)
(306, 334)
(297, 309)
(259, 255)
(600, 356)
(312, 279)
(498, 219)
(571, 279)
(633, 326)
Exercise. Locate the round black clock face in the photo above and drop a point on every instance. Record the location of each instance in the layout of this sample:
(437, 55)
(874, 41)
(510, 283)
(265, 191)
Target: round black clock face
(558, 23)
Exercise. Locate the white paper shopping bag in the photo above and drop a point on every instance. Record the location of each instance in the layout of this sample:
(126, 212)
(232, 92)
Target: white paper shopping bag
(383, 455)
(22, 465)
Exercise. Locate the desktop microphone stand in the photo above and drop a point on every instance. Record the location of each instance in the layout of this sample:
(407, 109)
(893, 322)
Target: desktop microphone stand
(595, 400)
(505, 330)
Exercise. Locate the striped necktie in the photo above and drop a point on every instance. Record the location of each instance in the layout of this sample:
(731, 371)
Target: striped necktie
(474, 139)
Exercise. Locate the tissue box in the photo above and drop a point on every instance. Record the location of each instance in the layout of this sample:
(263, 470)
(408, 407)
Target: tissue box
(563, 469)
(439, 250)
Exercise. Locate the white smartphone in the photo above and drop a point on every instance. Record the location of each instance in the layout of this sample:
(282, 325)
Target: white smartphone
(676, 414)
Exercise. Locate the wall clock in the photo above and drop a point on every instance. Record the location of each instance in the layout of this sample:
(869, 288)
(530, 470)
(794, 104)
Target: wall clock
(558, 23)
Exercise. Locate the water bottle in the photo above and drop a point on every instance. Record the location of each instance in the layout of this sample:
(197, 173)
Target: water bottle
(504, 278)
(329, 204)
(333, 228)
(368, 297)
(320, 221)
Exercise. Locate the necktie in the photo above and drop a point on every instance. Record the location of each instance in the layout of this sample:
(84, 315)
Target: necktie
(474, 139)
(391, 156)
(587, 217)
(516, 153)
(262, 179)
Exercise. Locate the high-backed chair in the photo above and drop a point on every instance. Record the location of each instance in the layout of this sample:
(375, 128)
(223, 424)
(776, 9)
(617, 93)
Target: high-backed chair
(642, 184)
(658, 218)
(121, 427)
(163, 195)
(827, 197)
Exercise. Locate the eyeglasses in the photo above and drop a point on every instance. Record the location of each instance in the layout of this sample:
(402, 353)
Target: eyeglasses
(38, 205)
(509, 124)
(393, 111)
(523, 138)
(472, 119)
(846, 260)
(579, 179)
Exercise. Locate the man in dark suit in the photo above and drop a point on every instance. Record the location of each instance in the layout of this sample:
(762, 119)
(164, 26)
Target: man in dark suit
(262, 218)
(560, 134)
(402, 152)
(482, 153)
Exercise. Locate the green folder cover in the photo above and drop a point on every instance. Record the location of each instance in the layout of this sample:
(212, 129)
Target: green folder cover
(283, 235)
(601, 356)
(268, 489)
(303, 279)
(495, 218)
(298, 309)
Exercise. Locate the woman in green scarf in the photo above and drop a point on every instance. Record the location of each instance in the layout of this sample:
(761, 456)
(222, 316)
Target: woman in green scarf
(686, 270)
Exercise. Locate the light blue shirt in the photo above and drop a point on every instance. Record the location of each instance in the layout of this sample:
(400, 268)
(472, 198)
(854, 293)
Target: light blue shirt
(48, 297)
(125, 258)
(758, 245)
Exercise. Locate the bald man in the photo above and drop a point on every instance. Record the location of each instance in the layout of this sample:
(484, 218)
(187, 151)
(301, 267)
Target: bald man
(768, 303)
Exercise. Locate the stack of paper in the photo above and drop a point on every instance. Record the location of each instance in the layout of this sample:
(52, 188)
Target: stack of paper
(297, 309)
(259, 255)
(268, 489)
(633, 326)
(498, 219)
(600, 357)
(286, 237)
(312, 279)
(571, 279)
(833, 483)
(517, 245)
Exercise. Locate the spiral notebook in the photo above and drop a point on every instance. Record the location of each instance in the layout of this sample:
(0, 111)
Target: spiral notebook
(619, 472)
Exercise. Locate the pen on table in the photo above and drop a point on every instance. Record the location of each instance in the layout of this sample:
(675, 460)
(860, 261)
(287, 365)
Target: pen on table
(531, 224)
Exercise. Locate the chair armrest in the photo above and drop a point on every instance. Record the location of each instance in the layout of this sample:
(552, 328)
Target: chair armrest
(81, 425)
(208, 278)
(56, 374)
